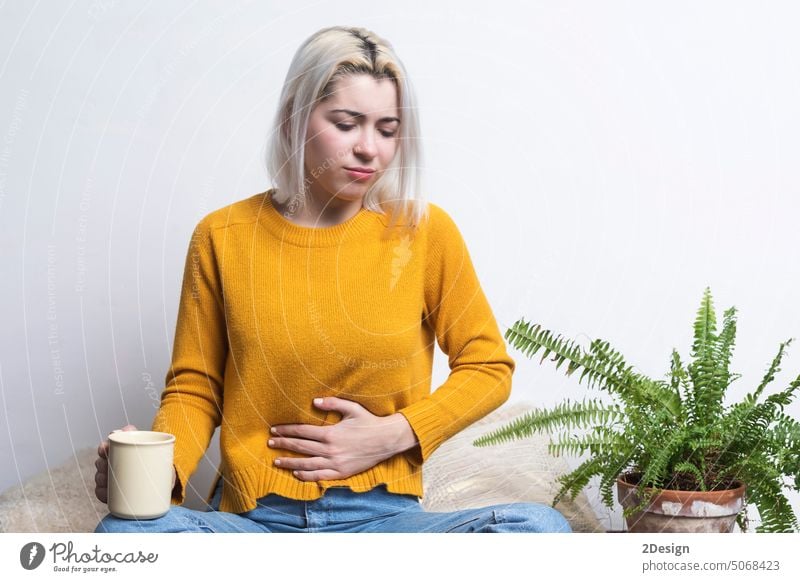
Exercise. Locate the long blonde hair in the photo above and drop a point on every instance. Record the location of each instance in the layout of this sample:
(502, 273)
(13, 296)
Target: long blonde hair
(326, 56)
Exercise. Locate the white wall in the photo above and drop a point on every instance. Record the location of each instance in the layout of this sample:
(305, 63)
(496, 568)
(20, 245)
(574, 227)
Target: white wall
(605, 161)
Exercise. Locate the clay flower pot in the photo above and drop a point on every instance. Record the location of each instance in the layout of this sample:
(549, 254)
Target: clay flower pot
(673, 511)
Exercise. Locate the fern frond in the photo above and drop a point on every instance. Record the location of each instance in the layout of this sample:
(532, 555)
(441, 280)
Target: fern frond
(573, 483)
(601, 441)
(772, 370)
(705, 325)
(678, 374)
(706, 385)
(658, 471)
(602, 365)
(784, 398)
(724, 349)
(765, 490)
(564, 415)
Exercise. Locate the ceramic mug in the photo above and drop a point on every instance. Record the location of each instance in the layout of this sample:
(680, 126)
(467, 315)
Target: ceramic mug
(140, 473)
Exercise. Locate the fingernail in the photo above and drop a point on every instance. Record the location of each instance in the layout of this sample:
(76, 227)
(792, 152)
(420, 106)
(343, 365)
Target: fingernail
(294, 472)
(277, 461)
(271, 442)
(273, 430)
(317, 400)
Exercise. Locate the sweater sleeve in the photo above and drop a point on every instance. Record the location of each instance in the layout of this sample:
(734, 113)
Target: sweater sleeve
(458, 312)
(191, 403)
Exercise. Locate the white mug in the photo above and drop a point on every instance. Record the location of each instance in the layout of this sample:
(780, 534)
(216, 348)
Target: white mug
(140, 473)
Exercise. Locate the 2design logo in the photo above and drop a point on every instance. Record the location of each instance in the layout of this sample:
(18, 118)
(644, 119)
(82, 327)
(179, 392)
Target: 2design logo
(31, 555)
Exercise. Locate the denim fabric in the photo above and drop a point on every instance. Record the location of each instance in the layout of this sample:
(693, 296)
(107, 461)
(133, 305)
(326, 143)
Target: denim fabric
(341, 510)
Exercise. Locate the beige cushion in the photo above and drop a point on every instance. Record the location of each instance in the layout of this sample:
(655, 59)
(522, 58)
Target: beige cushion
(61, 500)
(457, 476)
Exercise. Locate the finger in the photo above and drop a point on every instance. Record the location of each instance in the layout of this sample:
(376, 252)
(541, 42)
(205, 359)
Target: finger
(102, 449)
(303, 446)
(327, 474)
(304, 431)
(303, 463)
(101, 479)
(347, 407)
(101, 493)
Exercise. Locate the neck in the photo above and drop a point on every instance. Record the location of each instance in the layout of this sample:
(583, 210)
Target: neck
(317, 213)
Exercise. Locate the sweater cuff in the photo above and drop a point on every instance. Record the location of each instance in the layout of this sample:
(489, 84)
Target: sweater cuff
(193, 431)
(179, 491)
(424, 420)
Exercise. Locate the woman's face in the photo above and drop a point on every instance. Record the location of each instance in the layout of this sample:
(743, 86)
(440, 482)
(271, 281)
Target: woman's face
(357, 126)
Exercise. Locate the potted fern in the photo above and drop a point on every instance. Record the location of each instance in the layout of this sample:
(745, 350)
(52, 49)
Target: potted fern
(681, 458)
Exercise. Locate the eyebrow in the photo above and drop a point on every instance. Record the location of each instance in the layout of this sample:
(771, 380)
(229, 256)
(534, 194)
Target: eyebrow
(357, 114)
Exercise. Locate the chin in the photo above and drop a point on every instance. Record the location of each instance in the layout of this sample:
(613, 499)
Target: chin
(350, 195)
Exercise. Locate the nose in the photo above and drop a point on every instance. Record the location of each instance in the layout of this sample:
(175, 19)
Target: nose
(365, 146)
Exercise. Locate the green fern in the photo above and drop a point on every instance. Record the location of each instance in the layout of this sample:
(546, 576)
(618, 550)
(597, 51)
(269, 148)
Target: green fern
(600, 441)
(565, 415)
(677, 433)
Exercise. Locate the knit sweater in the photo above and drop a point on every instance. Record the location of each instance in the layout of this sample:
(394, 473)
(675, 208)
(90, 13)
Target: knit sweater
(273, 314)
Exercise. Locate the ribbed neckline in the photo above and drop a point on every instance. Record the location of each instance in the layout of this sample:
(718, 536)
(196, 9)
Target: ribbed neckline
(310, 236)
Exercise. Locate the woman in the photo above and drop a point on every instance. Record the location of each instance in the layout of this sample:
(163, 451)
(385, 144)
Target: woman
(308, 317)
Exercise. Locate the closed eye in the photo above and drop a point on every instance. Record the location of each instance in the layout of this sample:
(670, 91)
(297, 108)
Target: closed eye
(346, 127)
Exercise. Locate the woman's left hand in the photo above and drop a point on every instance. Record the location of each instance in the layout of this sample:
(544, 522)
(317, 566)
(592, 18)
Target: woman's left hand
(359, 441)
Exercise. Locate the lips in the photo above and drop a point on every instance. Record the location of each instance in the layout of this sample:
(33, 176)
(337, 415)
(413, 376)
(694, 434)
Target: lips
(361, 174)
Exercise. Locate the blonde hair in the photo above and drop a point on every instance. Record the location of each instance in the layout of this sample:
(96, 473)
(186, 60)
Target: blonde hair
(325, 57)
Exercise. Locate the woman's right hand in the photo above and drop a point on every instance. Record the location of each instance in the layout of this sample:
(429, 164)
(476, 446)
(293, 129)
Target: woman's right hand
(101, 476)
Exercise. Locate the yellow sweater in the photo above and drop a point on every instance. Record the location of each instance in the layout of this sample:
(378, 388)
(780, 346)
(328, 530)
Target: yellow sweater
(273, 314)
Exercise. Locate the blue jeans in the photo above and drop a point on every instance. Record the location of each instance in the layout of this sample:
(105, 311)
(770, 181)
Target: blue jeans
(342, 510)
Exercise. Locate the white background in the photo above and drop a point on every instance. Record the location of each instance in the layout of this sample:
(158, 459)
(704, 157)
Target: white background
(605, 161)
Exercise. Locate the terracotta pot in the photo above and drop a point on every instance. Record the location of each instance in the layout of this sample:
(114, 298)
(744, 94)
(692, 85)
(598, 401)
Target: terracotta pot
(672, 511)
